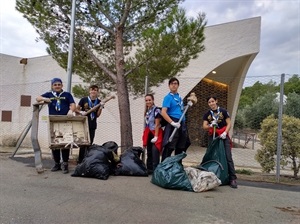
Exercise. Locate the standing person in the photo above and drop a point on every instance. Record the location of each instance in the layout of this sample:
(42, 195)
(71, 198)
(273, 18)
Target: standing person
(218, 118)
(59, 103)
(172, 110)
(153, 133)
(85, 104)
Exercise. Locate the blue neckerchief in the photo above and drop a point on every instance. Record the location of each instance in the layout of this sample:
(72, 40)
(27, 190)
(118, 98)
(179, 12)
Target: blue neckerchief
(215, 117)
(91, 105)
(57, 98)
(178, 101)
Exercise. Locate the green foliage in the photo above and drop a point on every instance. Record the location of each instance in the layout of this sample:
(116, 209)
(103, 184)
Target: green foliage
(117, 43)
(292, 107)
(80, 91)
(292, 85)
(163, 38)
(252, 93)
(290, 154)
(261, 108)
(169, 46)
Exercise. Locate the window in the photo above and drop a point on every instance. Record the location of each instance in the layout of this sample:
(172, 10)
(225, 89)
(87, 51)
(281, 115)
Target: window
(6, 115)
(25, 101)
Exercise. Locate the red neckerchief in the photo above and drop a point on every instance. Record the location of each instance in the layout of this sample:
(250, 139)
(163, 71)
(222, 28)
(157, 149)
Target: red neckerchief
(219, 132)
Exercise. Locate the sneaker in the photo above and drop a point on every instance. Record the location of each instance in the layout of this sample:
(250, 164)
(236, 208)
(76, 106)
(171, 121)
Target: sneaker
(56, 167)
(233, 184)
(65, 168)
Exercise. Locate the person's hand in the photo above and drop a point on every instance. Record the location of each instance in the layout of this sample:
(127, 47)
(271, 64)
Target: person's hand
(214, 123)
(70, 113)
(46, 100)
(175, 124)
(223, 135)
(153, 140)
(83, 113)
(102, 105)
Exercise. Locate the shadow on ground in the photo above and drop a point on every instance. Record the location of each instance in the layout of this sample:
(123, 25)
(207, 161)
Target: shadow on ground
(29, 161)
(48, 163)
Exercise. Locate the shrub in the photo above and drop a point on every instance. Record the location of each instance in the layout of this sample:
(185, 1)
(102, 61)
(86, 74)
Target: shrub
(290, 153)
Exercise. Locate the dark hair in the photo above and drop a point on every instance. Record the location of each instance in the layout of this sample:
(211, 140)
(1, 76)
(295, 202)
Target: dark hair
(172, 80)
(93, 87)
(214, 97)
(151, 95)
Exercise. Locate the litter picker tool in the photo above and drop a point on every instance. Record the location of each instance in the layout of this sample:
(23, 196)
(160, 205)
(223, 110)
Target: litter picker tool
(192, 99)
(100, 104)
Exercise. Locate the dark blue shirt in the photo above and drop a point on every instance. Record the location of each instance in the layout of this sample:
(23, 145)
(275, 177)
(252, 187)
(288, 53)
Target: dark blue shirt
(85, 106)
(220, 114)
(65, 100)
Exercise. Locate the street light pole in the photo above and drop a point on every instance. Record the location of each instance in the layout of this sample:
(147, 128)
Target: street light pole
(71, 43)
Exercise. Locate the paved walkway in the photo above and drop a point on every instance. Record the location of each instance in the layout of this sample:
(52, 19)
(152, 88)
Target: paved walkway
(53, 197)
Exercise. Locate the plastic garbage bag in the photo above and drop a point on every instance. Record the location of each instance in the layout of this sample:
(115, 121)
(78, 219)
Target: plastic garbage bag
(202, 180)
(215, 161)
(130, 163)
(96, 164)
(170, 174)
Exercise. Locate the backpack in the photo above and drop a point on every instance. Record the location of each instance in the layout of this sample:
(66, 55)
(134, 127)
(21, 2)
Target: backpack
(157, 114)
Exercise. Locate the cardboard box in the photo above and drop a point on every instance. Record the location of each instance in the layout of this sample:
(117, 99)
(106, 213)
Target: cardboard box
(64, 130)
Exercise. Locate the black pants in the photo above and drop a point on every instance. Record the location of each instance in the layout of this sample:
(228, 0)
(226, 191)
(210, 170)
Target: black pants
(153, 155)
(83, 150)
(178, 143)
(230, 163)
(64, 153)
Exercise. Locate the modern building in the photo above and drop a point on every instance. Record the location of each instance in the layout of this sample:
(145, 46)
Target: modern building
(219, 70)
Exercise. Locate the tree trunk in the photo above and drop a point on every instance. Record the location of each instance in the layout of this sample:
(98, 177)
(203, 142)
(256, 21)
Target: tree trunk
(123, 95)
(125, 117)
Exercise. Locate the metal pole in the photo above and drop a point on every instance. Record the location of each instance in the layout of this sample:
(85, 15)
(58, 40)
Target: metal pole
(146, 92)
(279, 133)
(71, 43)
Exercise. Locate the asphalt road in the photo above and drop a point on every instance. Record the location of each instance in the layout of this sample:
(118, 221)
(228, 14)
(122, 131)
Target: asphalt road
(28, 198)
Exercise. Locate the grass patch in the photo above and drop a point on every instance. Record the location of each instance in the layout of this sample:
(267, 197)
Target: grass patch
(244, 171)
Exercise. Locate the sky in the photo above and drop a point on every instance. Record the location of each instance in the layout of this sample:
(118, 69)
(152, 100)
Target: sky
(280, 31)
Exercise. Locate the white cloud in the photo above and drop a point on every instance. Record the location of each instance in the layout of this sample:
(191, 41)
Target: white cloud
(18, 37)
(280, 30)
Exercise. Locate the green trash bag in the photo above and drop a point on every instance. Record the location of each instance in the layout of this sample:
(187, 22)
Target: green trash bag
(215, 160)
(170, 174)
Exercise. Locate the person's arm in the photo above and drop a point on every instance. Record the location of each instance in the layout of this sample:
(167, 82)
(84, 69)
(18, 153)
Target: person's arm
(168, 119)
(157, 126)
(78, 109)
(228, 126)
(99, 111)
(42, 98)
(72, 107)
(205, 125)
(165, 115)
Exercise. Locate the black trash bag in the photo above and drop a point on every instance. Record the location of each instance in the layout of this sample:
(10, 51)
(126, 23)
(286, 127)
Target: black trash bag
(96, 164)
(112, 146)
(215, 160)
(112, 153)
(170, 174)
(131, 164)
